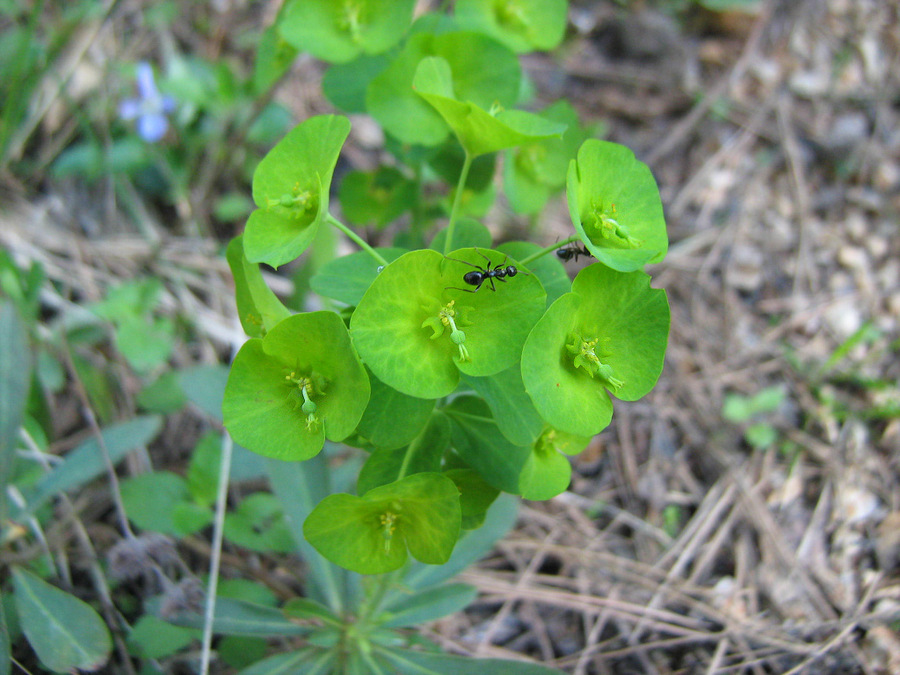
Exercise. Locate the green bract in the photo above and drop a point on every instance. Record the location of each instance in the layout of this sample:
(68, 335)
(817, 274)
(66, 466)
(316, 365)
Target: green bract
(615, 206)
(547, 472)
(522, 25)
(535, 171)
(418, 326)
(479, 131)
(298, 385)
(339, 30)
(609, 334)
(290, 187)
(371, 534)
(484, 72)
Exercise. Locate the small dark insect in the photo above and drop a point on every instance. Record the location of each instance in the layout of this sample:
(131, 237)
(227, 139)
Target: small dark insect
(481, 274)
(572, 251)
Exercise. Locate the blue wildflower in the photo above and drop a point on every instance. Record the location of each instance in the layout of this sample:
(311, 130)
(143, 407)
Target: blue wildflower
(150, 108)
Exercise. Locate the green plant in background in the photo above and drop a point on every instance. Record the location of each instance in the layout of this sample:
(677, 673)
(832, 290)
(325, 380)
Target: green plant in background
(461, 367)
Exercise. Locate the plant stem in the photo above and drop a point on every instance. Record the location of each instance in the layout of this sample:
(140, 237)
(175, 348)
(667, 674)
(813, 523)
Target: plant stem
(357, 239)
(457, 200)
(545, 251)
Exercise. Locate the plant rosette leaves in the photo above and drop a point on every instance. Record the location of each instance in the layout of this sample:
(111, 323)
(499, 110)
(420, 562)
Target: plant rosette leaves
(290, 187)
(615, 206)
(419, 324)
(338, 31)
(372, 534)
(300, 384)
(479, 131)
(607, 336)
(522, 25)
(484, 72)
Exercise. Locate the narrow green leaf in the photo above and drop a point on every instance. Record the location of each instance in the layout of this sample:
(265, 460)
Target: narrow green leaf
(510, 405)
(86, 462)
(425, 663)
(15, 376)
(393, 419)
(423, 606)
(238, 617)
(65, 632)
(309, 661)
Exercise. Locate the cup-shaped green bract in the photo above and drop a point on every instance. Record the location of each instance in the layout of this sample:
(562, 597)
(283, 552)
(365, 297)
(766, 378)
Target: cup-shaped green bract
(339, 30)
(478, 131)
(615, 206)
(547, 472)
(290, 187)
(484, 72)
(300, 384)
(371, 534)
(608, 335)
(420, 324)
(522, 25)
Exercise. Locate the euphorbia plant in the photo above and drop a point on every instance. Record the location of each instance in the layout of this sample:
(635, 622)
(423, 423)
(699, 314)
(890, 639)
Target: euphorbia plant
(466, 368)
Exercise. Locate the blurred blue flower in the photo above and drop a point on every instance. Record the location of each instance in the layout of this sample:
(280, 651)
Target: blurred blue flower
(150, 108)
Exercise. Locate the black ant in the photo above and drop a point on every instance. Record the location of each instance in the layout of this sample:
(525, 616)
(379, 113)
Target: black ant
(573, 250)
(482, 274)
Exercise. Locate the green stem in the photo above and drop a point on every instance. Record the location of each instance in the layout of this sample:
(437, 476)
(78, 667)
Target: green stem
(549, 249)
(457, 199)
(357, 239)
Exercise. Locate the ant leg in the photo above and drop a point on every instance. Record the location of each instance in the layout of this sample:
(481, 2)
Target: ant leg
(464, 290)
(465, 262)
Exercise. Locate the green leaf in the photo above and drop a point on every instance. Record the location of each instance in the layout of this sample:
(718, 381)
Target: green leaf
(475, 496)
(15, 377)
(274, 56)
(532, 172)
(153, 638)
(258, 524)
(424, 663)
(64, 632)
(484, 72)
(510, 405)
(615, 206)
(482, 446)
(468, 233)
(339, 31)
(548, 269)
(146, 343)
(345, 84)
(423, 454)
(299, 487)
(306, 609)
(348, 278)
(257, 305)
(392, 419)
(371, 534)
(150, 498)
(608, 334)
(163, 396)
(204, 387)
(522, 25)
(265, 408)
(546, 473)
(238, 617)
(290, 187)
(398, 325)
(309, 661)
(203, 471)
(376, 197)
(479, 131)
(424, 606)
(87, 462)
